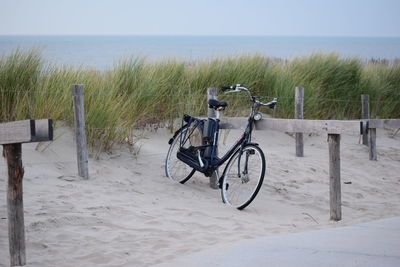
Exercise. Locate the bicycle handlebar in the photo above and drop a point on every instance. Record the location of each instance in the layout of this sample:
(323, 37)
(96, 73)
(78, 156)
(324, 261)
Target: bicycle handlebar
(239, 87)
(227, 87)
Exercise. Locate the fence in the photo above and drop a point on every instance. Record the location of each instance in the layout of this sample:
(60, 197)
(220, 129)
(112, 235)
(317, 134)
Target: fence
(13, 134)
(333, 128)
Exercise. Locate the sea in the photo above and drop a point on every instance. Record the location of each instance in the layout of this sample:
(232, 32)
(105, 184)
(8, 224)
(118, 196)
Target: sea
(103, 52)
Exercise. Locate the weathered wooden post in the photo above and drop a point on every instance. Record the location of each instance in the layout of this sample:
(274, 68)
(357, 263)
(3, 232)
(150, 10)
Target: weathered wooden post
(373, 124)
(15, 204)
(211, 113)
(81, 146)
(372, 144)
(12, 135)
(365, 116)
(299, 114)
(334, 177)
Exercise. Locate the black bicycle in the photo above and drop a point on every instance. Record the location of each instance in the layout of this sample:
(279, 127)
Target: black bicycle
(194, 148)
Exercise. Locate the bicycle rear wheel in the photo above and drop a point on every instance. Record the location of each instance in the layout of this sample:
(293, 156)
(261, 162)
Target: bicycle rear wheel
(243, 177)
(175, 169)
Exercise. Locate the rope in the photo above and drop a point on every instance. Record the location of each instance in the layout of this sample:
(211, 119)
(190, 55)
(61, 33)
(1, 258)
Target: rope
(117, 94)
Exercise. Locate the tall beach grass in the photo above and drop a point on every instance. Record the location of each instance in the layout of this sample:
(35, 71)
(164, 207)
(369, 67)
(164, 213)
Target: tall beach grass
(136, 92)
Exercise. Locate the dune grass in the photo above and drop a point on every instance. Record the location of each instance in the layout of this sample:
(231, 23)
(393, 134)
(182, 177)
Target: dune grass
(136, 92)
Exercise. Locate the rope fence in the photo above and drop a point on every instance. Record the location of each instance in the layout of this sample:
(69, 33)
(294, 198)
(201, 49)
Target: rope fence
(116, 93)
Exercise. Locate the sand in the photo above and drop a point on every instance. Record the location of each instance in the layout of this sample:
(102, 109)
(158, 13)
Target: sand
(130, 214)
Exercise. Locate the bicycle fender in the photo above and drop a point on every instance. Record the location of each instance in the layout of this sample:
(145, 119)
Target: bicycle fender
(175, 134)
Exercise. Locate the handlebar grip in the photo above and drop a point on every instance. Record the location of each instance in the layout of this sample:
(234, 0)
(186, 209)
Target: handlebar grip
(228, 87)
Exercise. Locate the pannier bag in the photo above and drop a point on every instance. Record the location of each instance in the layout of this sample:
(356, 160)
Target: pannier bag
(196, 143)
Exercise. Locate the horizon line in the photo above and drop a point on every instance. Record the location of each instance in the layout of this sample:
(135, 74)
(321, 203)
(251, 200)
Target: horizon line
(208, 35)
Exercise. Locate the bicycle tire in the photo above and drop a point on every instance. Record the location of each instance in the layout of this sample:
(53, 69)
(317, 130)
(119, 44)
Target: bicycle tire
(175, 169)
(239, 190)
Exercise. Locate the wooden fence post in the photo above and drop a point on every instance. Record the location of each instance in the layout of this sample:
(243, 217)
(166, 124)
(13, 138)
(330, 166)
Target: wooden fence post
(365, 116)
(299, 114)
(15, 205)
(372, 144)
(12, 135)
(81, 146)
(211, 113)
(334, 177)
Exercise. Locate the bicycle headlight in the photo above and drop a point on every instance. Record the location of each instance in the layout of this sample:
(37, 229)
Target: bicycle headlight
(257, 116)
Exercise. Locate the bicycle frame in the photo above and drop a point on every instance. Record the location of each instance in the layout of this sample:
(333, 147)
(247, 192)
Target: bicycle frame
(240, 143)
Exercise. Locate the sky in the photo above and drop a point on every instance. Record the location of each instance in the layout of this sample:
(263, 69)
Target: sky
(378, 18)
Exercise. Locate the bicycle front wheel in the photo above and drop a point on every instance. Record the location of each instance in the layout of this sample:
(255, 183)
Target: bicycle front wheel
(243, 177)
(175, 169)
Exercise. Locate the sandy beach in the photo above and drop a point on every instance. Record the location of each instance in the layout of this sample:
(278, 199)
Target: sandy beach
(129, 214)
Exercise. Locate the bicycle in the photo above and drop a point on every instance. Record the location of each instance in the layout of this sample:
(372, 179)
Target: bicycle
(194, 148)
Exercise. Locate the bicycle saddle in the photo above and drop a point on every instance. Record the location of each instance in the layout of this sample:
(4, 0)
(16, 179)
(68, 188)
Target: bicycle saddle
(217, 105)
